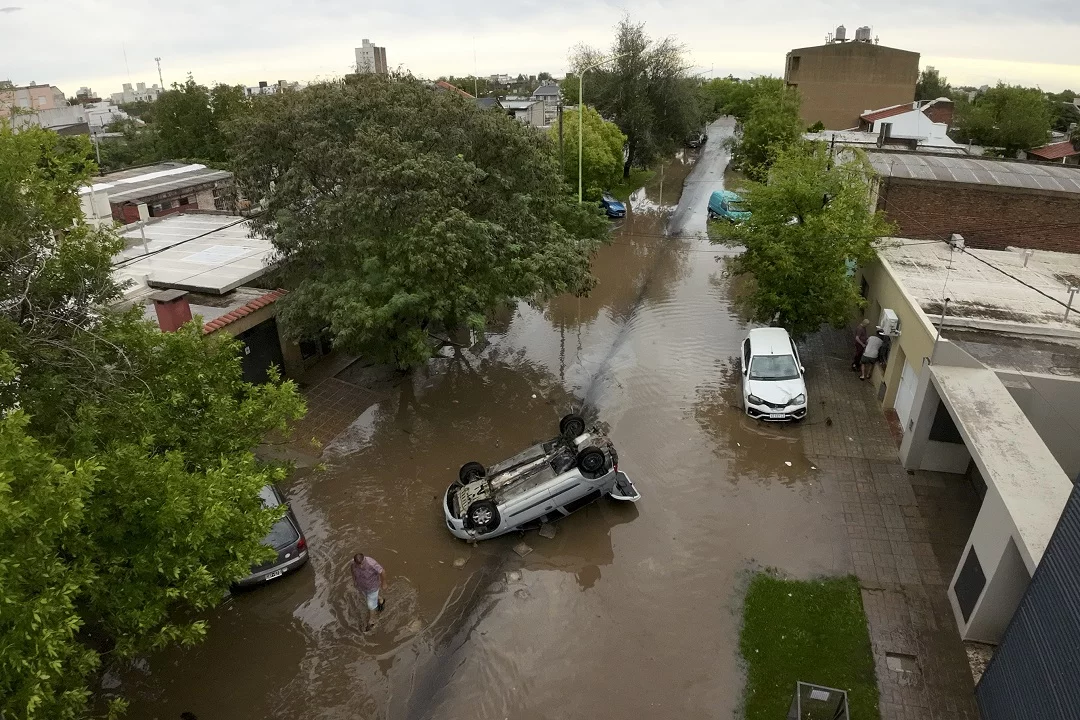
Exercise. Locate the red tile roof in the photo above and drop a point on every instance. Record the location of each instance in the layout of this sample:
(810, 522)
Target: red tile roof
(1055, 151)
(234, 315)
(453, 88)
(875, 115)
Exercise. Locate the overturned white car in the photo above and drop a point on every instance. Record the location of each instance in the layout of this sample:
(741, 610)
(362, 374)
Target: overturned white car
(545, 482)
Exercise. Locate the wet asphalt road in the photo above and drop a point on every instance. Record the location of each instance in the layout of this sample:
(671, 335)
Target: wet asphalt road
(630, 611)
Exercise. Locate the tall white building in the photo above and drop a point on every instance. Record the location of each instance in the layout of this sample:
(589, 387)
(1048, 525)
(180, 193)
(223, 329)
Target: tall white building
(370, 58)
(141, 92)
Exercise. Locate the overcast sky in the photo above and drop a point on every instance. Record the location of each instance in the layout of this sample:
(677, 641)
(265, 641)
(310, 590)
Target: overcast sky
(70, 43)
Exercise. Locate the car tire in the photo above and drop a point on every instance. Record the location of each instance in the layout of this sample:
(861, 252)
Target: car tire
(571, 426)
(483, 515)
(591, 461)
(471, 471)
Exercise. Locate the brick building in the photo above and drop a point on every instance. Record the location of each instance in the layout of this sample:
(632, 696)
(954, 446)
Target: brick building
(994, 204)
(840, 81)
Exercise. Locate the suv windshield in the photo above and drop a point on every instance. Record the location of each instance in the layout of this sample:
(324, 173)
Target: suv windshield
(773, 367)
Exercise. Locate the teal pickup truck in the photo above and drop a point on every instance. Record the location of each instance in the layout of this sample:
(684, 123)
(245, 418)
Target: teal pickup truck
(726, 204)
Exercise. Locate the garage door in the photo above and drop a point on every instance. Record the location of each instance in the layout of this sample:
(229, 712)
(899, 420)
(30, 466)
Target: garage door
(905, 395)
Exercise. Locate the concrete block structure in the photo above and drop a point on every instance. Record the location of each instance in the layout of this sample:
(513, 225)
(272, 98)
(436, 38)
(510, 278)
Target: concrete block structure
(30, 98)
(207, 267)
(135, 194)
(990, 395)
(840, 81)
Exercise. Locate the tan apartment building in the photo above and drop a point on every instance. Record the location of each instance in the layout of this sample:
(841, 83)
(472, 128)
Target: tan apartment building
(31, 98)
(841, 80)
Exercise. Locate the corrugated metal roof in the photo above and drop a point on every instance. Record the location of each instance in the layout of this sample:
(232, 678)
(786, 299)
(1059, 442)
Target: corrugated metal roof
(961, 169)
(1033, 671)
(156, 186)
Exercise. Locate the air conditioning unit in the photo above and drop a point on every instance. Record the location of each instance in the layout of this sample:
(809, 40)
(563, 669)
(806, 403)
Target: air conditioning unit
(889, 323)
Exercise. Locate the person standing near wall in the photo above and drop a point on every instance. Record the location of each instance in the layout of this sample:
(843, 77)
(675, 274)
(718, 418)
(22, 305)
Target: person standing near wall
(870, 354)
(860, 343)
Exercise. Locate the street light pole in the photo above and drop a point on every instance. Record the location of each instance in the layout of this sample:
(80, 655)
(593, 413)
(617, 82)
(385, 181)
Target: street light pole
(581, 113)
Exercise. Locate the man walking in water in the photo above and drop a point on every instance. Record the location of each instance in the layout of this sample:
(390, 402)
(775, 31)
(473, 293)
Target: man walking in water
(370, 580)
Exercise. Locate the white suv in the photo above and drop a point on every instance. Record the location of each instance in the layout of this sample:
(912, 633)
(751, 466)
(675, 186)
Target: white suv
(773, 385)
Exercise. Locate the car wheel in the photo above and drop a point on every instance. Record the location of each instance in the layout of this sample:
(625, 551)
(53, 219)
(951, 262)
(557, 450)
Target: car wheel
(591, 460)
(571, 426)
(483, 515)
(470, 472)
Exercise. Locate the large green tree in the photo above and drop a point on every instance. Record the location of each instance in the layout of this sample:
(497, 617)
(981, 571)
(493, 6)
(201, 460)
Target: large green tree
(602, 151)
(128, 488)
(772, 124)
(644, 89)
(931, 85)
(735, 97)
(189, 120)
(1009, 117)
(398, 212)
(808, 223)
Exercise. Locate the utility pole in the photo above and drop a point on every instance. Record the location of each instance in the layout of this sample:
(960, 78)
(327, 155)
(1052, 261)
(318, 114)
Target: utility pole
(160, 80)
(562, 153)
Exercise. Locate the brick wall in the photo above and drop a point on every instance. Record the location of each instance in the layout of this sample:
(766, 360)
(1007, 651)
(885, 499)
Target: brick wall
(940, 112)
(987, 217)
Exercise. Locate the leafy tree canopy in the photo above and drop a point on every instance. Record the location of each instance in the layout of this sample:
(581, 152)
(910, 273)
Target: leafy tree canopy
(807, 223)
(128, 489)
(735, 97)
(644, 89)
(397, 212)
(602, 151)
(190, 119)
(772, 124)
(931, 85)
(1009, 117)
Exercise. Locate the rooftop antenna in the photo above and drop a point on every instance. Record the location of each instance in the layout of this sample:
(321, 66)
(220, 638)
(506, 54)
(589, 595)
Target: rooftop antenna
(475, 80)
(124, 48)
(158, 61)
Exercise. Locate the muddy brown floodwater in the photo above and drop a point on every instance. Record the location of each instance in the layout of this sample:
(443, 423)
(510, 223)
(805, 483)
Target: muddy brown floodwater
(629, 611)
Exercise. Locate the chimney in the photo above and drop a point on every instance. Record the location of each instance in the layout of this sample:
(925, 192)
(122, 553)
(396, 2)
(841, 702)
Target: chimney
(172, 309)
(885, 134)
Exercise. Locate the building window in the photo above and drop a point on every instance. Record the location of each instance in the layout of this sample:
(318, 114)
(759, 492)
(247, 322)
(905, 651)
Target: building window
(793, 66)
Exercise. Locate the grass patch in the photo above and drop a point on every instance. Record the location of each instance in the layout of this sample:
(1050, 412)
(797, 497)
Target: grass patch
(627, 186)
(812, 631)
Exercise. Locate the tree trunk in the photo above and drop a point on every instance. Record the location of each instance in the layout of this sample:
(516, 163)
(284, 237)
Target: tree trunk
(630, 147)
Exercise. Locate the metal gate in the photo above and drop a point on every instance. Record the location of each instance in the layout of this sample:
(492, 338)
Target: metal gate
(1035, 672)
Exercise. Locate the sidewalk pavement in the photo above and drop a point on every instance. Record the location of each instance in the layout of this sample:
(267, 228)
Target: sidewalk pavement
(905, 534)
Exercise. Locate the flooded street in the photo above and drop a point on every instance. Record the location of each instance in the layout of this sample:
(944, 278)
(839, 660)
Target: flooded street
(630, 610)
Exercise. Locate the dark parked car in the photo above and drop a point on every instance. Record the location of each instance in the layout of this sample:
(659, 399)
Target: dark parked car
(697, 139)
(285, 536)
(614, 208)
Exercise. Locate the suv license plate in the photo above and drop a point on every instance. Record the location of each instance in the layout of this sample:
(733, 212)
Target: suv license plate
(777, 416)
(275, 574)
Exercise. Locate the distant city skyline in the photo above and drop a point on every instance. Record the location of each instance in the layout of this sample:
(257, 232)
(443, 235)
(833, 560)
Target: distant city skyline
(1029, 46)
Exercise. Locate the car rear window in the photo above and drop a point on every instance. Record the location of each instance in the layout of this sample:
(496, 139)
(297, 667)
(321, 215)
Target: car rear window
(773, 367)
(283, 533)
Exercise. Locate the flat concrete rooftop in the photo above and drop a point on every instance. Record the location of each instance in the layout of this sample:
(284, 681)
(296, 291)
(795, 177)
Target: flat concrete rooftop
(1010, 454)
(211, 254)
(988, 289)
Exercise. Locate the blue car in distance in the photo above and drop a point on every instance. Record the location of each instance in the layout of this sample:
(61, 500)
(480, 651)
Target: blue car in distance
(726, 204)
(614, 208)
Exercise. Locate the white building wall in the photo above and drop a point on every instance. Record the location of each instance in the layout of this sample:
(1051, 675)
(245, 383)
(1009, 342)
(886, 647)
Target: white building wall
(914, 123)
